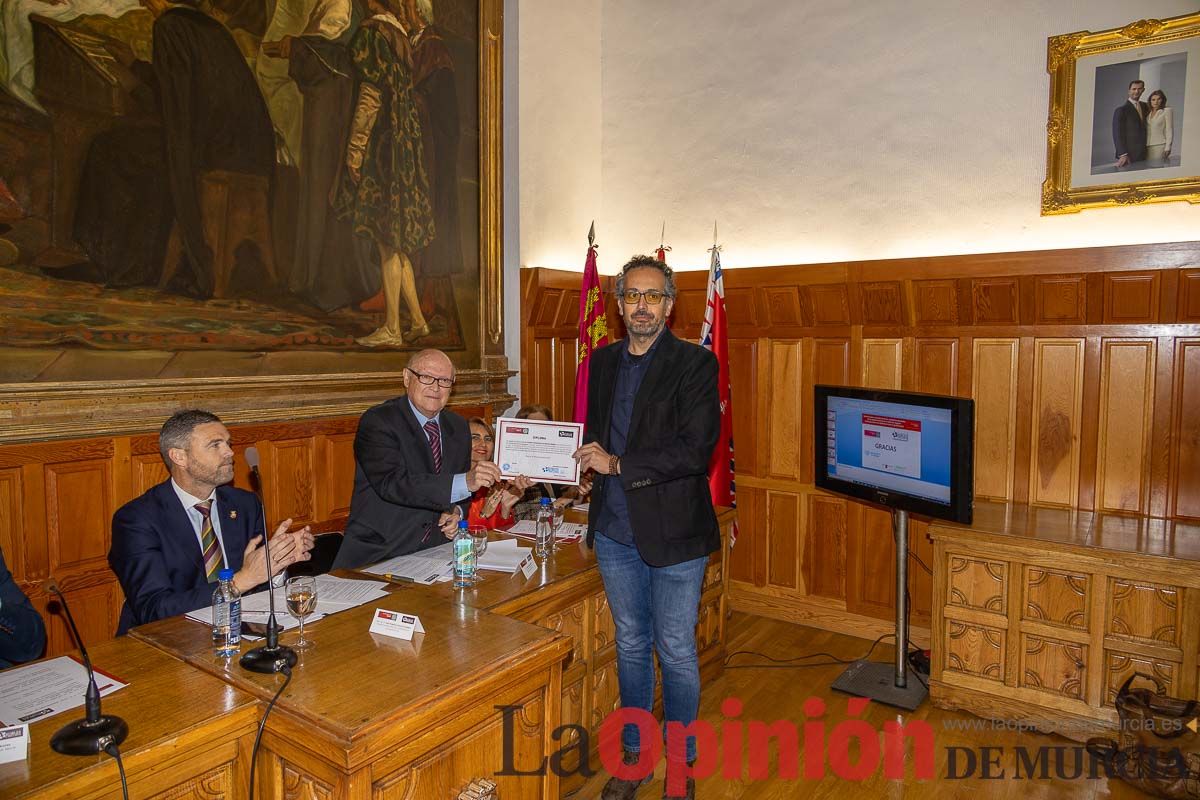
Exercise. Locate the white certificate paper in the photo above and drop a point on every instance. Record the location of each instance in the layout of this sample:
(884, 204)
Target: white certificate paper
(44, 688)
(541, 451)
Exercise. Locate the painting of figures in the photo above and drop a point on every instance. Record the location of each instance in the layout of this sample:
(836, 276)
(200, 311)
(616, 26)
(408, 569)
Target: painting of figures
(240, 175)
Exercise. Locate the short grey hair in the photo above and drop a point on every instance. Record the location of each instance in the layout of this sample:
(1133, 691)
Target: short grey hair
(177, 430)
(650, 262)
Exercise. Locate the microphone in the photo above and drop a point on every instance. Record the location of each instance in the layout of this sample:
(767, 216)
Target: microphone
(96, 732)
(272, 656)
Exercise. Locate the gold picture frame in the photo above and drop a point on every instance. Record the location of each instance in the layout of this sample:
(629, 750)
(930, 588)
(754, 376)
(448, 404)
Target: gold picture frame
(1092, 77)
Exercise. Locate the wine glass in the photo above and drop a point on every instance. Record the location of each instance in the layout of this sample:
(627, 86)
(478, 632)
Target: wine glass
(301, 601)
(479, 537)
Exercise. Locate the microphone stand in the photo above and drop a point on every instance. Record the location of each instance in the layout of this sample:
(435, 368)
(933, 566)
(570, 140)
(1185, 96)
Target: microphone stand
(96, 732)
(271, 657)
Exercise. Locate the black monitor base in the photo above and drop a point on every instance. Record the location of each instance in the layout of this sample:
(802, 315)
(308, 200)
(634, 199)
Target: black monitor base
(83, 738)
(268, 660)
(878, 682)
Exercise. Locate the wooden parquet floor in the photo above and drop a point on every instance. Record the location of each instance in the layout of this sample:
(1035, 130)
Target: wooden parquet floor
(779, 694)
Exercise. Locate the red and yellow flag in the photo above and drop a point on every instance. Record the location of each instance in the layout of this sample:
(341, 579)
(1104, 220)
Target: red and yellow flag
(593, 329)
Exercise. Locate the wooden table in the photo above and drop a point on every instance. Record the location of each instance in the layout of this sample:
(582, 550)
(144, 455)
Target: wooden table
(1040, 614)
(372, 716)
(189, 735)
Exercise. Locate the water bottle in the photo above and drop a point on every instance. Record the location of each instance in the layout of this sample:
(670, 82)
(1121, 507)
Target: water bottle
(464, 556)
(226, 615)
(543, 542)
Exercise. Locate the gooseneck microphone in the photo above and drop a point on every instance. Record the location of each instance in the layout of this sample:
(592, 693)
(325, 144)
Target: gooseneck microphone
(272, 656)
(96, 732)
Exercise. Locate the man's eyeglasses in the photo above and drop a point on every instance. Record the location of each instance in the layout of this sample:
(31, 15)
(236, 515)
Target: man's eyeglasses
(653, 296)
(430, 380)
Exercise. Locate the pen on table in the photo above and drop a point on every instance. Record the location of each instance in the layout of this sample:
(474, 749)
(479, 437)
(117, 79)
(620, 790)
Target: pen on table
(399, 578)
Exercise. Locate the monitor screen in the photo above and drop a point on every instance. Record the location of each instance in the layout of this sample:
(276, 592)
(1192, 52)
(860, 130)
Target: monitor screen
(900, 449)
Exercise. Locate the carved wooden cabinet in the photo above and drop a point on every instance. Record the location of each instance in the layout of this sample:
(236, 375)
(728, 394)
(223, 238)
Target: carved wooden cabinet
(1041, 614)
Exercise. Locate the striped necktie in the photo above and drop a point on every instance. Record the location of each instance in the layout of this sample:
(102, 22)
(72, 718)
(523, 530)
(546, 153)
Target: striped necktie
(213, 563)
(435, 443)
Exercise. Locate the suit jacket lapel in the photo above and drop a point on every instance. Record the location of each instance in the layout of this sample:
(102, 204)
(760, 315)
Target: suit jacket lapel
(234, 533)
(659, 365)
(179, 526)
(606, 374)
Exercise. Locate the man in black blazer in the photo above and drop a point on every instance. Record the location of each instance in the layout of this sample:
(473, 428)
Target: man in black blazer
(652, 423)
(22, 632)
(1129, 126)
(412, 469)
(169, 544)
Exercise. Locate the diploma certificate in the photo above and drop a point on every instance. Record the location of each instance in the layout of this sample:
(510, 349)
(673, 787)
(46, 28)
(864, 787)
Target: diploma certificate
(541, 451)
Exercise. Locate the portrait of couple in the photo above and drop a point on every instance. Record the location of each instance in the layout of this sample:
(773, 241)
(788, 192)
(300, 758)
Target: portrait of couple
(1146, 125)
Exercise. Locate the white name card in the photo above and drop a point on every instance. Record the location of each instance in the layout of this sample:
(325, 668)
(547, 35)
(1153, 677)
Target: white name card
(395, 624)
(528, 566)
(14, 744)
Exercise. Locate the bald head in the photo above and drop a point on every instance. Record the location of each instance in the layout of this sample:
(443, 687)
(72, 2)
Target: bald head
(423, 379)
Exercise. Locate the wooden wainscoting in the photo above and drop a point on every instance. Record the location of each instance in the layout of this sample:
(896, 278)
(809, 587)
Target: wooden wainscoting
(57, 499)
(1084, 365)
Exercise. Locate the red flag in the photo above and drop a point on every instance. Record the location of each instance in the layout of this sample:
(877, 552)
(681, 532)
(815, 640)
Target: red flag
(593, 329)
(714, 336)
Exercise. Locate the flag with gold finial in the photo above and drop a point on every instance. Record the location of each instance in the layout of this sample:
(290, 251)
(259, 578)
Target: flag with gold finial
(593, 326)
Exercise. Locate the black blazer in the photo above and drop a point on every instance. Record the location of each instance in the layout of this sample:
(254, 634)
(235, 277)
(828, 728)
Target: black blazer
(157, 557)
(397, 496)
(675, 426)
(1129, 131)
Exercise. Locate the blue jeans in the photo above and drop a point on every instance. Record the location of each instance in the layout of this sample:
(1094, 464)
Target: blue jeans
(656, 605)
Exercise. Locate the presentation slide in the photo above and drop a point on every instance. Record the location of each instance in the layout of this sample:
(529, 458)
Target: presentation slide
(890, 446)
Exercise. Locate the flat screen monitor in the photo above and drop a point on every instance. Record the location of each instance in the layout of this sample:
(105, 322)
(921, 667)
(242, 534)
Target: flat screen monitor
(908, 451)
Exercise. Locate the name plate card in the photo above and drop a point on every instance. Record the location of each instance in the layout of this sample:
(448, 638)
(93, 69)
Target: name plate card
(14, 744)
(395, 624)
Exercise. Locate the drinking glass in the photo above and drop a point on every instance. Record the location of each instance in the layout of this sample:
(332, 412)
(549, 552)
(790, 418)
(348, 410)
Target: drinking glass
(301, 601)
(479, 536)
(556, 520)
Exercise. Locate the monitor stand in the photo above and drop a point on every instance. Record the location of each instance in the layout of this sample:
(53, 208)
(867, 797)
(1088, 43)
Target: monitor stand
(889, 684)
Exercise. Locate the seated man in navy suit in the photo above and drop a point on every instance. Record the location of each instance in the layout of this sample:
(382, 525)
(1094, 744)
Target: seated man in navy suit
(169, 544)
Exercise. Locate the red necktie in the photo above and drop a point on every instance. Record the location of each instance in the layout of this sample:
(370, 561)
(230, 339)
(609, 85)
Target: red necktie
(435, 443)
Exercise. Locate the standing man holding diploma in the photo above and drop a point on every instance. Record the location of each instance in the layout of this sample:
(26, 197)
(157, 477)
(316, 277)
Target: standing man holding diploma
(653, 421)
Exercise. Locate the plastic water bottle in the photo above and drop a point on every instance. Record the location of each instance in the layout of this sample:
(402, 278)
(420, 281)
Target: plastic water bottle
(543, 542)
(227, 616)
(464, 556)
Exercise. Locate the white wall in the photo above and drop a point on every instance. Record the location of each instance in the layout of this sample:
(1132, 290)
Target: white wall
(560, 107)
(811, 131)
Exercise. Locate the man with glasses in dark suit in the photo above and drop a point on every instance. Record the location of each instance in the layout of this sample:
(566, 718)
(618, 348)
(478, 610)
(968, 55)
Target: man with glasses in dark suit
(653, 421)
(412, 469)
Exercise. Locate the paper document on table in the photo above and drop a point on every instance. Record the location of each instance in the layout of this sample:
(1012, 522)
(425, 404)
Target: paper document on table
(567, 532)
(503, 555)
(283, 619)
(424, 566)
(45, 688)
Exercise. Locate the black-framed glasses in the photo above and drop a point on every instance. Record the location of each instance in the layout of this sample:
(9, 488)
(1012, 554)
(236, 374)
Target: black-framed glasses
(653, 296)
(430, 380)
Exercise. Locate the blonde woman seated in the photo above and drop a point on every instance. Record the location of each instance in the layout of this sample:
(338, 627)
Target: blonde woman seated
(492, 507)
(1160, 124)
(562, 496)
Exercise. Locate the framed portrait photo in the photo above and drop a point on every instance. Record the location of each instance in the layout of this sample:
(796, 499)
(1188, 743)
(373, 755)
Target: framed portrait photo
(1124, 123)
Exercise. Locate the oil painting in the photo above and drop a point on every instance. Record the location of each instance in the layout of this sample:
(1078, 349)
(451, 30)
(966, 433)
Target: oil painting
(241, 175)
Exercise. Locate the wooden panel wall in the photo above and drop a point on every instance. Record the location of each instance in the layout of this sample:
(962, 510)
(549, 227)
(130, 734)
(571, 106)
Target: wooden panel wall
(1084, 365)
(57, 500)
